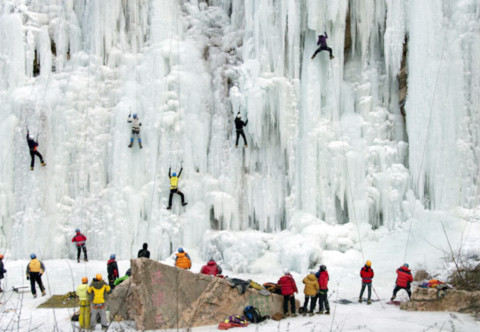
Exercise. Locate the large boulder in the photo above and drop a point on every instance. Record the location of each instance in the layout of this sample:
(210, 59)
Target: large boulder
(159, 296)
(429, 299)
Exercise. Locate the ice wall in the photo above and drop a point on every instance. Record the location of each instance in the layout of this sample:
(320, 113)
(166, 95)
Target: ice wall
(327, 143)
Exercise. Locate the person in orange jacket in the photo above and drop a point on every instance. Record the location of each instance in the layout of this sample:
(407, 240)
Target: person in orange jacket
(404, 278)
(182, 260)
(288, 287)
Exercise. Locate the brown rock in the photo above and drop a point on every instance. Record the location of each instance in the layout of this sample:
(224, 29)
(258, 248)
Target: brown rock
(421, 275)
(428, 299)
(159, 296)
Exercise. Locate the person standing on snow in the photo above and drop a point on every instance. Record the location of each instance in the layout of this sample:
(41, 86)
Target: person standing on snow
(174, 187)
(35, 269)
(97, 293)
(239, 124)
(135, 130)
(311, 290)
(322, 41)
(367, 275)
(112, 269)
(2, 272)
(323, 278)
(32, 145)
(84, 317)
(144, 252)
(211, 268)
(288, 288)
(182, 260)
(80, 240)
(404, 278)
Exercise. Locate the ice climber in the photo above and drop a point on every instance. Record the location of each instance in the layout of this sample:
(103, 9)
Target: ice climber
(174, 187)
(144, 252)
(97, 291)
(84, 317)
(289, 288)
(311, 290)
(211, 268)
(112, 269)
(32, 145)
(2, 272)
(239, 124)
(322, 41)
(404, 278)
(135, 130)
(35, 269)
(323, 278)
(80, 240)
(182, 260)
(367, 275)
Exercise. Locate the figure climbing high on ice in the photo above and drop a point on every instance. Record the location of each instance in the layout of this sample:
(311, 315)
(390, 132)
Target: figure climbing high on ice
(322, 41)
(32, 145)
(174, 187)
(135, 130)
(239, 124)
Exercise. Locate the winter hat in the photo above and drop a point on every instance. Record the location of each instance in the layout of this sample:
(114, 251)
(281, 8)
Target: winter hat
(134, 115)
(368, 263)
(239, 115)
(145, 245)
(179, 249)
(405, 265)
(98, 276)
(286, 271)
(32, 256)
(77, 230)
(323, 267)
(112, 256)
(84, 280)
(1, 256)
(174, 174)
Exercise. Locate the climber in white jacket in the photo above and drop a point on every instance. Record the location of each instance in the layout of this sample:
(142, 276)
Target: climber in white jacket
(135, 129)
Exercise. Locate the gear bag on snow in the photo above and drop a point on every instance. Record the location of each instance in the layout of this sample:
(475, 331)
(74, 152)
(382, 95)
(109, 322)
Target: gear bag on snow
(253, 314)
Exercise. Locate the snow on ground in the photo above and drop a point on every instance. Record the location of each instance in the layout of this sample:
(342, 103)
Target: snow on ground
(385, 249)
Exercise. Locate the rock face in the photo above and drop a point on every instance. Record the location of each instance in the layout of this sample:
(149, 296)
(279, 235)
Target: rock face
(428, 299)
(158, 296)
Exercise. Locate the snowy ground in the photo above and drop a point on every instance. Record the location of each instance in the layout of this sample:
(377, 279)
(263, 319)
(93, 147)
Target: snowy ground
(427, 240)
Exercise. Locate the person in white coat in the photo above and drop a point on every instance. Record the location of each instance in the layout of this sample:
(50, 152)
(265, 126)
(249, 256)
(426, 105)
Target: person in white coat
(135, 130)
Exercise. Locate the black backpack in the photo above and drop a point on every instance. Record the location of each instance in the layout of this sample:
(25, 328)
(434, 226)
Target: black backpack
(253, 314)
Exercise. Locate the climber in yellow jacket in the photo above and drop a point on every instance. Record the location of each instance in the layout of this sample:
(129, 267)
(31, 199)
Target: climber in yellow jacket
(174, 187)
(84, 318)
(182, 260)
(97, 292)
(311, 289)
(35, 271)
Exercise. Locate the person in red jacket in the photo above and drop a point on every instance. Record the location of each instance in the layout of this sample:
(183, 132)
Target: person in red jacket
(367, 275)
(404, 278)
(323, 278)
(80, 240)
(212, 268)
(288, 287)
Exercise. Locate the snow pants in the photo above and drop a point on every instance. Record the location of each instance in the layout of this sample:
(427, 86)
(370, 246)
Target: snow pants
(34, 153)
(84, 317)
(286, 299)
(313, 300)
(36, 277)
(322, 48)
(323, 300)
(238, 137)
(98, 310)
(397, 288)
(369, 285)
(135, 133)
(175, 191)
(79, 250)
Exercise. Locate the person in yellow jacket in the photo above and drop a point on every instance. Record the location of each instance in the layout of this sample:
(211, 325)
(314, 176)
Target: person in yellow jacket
(311, 289)
(97, 292)
(182, 260)
(84, 318)
(174, 187)
(35, 269)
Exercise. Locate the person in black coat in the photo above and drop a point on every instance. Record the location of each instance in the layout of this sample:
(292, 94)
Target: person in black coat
(239, 124)
(112, 269)
(144, 252)
(32, 145)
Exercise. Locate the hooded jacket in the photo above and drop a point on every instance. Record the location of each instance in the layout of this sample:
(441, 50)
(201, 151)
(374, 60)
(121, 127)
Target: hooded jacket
(80, 239)
(82, 292)
(112, 269)
(288, 284)
(144, 252)
(212, 268)
(404, 277)
(239, 124)
(35, 266)
(183, 261)
(311, 285)
(367, 274)
(98, 290)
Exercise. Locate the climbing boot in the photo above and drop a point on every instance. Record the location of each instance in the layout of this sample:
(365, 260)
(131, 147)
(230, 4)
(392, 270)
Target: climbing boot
(236, 146)
(369, 302)
(311, 313)
(43, 164)
(294, 314)
(78, 260)
(169, 208)
(320, 312)
(246, 145)
(360, 300)
(130, 145)
(331, 57)
(140, 145)
(183, 204)
(34, 296)
(327, 312)
(392, 298)
(313, 57)
(43, 293)
(31, 168)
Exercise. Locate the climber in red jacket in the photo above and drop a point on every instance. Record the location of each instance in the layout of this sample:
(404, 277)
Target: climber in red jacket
(288, 287)
(80, 240)
(367, 275)
(404, 278)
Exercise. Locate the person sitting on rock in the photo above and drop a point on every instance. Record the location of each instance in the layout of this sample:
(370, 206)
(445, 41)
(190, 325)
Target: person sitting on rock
(404, 278)
(211, 268)
(144, 252)
(182, 260)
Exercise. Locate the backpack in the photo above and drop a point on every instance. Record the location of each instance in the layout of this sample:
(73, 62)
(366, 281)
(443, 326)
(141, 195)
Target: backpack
(272, 287)
(237, 320)
(253, 314)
